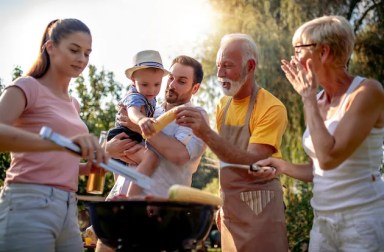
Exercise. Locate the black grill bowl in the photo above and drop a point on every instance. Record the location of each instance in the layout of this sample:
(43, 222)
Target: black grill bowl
(144, 225)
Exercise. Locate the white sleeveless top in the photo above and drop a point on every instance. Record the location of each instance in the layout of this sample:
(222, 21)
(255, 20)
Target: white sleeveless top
(357, 180)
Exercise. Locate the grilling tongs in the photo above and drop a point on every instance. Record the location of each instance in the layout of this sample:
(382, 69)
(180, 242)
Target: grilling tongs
(112, 165)
(253, 167)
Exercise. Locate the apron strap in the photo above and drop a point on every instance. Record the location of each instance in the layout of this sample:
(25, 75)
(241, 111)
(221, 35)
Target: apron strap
(252, 102)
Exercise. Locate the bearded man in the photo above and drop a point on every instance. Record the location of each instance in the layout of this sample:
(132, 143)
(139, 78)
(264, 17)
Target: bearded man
(179, 149)
(250, 123)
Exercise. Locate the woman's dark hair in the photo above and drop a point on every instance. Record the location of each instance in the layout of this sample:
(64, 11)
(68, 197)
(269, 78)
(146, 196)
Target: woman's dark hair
(55, 31)
(189, 61)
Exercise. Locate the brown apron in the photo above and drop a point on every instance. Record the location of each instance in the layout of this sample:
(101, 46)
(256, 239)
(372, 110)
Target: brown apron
(252, 216)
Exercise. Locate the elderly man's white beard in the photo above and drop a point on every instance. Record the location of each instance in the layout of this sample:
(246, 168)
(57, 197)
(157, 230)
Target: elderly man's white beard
(234, 85)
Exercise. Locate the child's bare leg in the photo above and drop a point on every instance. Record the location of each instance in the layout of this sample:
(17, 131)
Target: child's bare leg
(147, 166)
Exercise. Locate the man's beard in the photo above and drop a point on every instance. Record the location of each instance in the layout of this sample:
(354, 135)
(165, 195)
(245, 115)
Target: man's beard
(235, 86)
(174, 98)
(171, 96)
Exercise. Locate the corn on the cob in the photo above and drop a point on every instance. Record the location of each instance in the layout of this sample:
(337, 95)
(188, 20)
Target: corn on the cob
(163, 120)
(189, 194)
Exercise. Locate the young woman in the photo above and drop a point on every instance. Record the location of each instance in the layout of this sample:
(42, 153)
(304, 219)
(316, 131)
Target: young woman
(38, 210)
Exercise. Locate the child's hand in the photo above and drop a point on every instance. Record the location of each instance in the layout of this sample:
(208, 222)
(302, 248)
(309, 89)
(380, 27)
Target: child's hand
(146, 126)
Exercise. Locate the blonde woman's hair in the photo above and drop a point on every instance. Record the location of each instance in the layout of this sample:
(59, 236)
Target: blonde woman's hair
(334, 31)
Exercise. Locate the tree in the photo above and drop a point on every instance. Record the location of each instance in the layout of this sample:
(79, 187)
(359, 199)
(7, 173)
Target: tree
(367, 59)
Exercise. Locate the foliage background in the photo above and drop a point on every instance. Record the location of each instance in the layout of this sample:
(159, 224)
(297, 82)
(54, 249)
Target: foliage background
(271, 23)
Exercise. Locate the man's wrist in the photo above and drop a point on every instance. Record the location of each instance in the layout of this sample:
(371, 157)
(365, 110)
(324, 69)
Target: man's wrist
(141, 118)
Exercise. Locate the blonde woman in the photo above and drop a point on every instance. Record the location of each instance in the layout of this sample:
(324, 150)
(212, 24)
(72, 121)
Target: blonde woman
(344, 138)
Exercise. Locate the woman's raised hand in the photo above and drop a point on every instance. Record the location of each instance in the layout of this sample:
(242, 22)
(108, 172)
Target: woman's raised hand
(302, 78)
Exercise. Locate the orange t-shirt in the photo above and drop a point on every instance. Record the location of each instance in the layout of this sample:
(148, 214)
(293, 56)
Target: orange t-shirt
(268, 120)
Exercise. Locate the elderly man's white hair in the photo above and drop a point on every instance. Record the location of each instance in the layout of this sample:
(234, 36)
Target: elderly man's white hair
(248, 45)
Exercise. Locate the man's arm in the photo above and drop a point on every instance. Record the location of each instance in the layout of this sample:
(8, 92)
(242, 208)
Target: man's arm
(225, 151)
(303, 172)
(171, 148)
(230, 153)
(167, 146)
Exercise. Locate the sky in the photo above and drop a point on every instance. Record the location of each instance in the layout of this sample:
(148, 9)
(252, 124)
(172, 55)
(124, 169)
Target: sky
(119, 28)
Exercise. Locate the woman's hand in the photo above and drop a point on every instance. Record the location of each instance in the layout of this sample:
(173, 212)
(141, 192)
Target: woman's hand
(265, 173)
(302, 78)
(277, 165)
(90, 148)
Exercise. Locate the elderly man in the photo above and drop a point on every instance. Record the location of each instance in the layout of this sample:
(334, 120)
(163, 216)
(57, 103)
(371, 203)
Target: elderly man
(250, 123)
